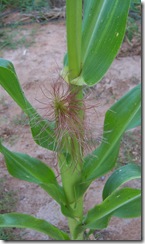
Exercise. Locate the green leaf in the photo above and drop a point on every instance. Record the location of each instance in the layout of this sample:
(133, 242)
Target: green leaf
(119, 118)
(136, 121)
(68, 211)
(7, 64)
(111, 204)
(121, 203)
(98, 225)
(19, 220)
(130, 210)
(9, 81)
(24, 167)
(42, 130)
(103, 29)
(121, 176)
(122, 116)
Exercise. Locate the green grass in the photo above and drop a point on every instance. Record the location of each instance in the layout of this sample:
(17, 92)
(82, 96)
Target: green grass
(24, 5)
(132, 29)
(3, 101)
(130, 150)
(20, 119)
(134, 20)
(8, 200)
(13, 39)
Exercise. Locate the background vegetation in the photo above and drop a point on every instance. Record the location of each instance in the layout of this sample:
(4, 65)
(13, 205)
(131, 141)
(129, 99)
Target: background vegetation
(11, 39)
(8, 201)
(30, 5)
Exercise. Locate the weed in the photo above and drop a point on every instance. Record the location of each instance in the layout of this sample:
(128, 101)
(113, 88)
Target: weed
(8, 200)
(132, 29)
(134, 18)
(3, 103)
(14, 39)
(135, 80)
(24, 5)
(12, 140)
(130, 148)
(20, 119)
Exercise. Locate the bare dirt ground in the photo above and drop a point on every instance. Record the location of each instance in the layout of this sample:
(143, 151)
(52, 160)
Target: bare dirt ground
(37, 66)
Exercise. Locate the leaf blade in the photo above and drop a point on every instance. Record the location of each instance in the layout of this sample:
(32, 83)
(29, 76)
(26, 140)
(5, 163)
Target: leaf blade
(19, 220)
(113, 202)
(114, 205)
(103, 158)
(103, 30)
(118, 119)
(42, 130)
(24, 167)
(120, 176)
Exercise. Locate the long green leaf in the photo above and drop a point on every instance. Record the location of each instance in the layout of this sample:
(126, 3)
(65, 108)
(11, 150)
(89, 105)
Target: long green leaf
(24, 167)
(120, 176)
(111, 204)
(19, 220)
(42, 130)
(120, 117)
(99, 216)
(103, 29)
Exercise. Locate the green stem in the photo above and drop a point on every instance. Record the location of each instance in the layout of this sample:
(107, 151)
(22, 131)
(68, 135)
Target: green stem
(74, 36)
(73, 223)
(70, 162)
(71, 175)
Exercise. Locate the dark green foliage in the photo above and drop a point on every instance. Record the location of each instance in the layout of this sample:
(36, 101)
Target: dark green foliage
(135, 7)
(30, 5)
(134, 19)
(24, 5)
(7, 234)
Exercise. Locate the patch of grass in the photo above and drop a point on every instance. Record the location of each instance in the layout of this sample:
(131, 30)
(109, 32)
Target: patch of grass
(20, 119)
(3, 102)
(16, 38)
(135, 80)
(130, 150)
(8, 200)
(24, 5)
(6, 234)
(134, 20)
(13, 139)
(132, 29)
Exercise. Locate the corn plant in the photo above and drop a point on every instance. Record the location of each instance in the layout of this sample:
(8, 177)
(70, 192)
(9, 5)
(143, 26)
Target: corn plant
(92, 44)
